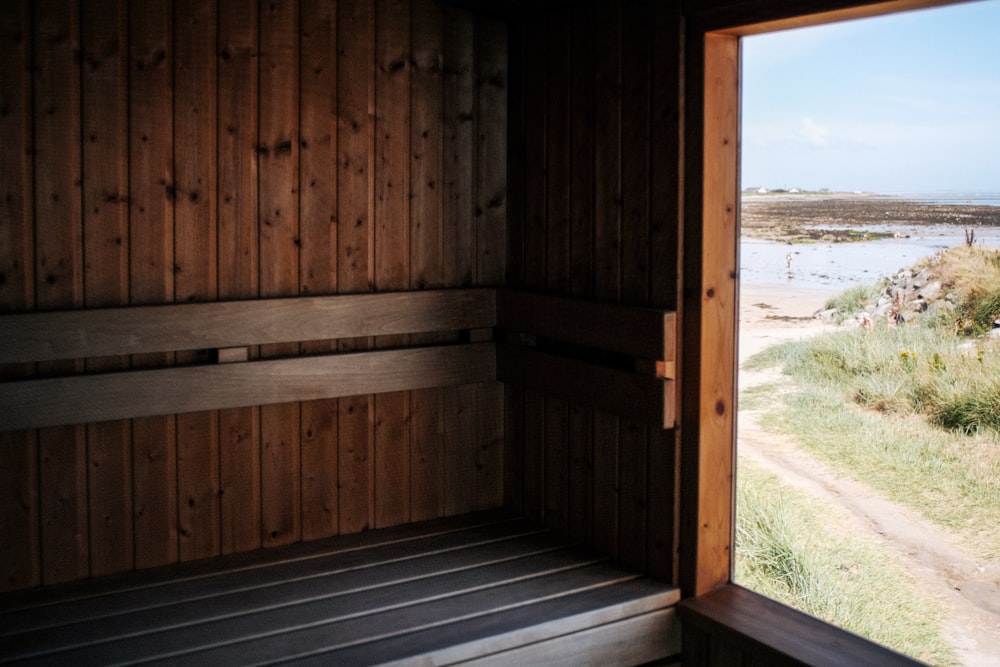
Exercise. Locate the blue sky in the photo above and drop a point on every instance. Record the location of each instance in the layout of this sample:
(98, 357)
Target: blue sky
(903, 103)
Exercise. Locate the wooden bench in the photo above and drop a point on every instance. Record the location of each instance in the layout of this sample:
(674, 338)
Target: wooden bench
(486, 587)
(482, 587)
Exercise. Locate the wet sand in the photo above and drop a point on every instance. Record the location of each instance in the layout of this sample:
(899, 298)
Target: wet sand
(846, 217)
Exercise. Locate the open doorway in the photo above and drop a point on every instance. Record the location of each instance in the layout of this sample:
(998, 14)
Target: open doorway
(868, 149)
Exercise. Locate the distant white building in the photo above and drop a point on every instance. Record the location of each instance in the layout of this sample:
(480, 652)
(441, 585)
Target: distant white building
(762, 191)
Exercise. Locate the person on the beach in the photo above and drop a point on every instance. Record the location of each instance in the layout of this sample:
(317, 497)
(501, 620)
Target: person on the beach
(894, 317)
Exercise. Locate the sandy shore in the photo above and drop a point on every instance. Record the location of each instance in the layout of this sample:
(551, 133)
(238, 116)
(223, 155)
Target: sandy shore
(966, 586)
(772, 314)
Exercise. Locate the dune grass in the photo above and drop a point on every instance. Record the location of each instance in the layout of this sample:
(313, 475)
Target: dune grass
(909, 411)
(785, 552)
(913, 412)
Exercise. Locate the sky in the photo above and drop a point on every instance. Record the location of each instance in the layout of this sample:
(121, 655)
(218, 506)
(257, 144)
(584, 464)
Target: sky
(903, 103)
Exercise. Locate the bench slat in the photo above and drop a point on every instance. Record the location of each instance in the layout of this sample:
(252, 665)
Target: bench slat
(539, 633)
(645, 333)
(95, 602)
(79, 334)
(641, 398)
(92, 398)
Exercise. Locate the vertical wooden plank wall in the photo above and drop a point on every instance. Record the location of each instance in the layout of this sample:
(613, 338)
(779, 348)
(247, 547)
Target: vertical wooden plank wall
(201, 151)
(595, 214)
(106, 269)
(20, 562)
(238, 257)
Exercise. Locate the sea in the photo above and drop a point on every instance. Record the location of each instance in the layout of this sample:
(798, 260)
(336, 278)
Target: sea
(833, 265)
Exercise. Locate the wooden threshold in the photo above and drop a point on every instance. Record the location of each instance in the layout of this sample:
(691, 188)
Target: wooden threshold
(732, 621)
(483, 587)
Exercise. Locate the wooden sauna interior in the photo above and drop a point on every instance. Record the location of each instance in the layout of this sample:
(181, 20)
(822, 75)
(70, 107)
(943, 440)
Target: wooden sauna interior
(279, 271)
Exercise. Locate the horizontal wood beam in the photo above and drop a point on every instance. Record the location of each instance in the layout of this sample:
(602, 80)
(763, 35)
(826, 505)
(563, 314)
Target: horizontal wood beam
(92, 398)
(748, 628)
(645, 333)
(79, 334)
(641, 398)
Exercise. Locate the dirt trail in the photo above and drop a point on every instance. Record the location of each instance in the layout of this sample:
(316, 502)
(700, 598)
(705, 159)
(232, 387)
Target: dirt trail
(970, 587)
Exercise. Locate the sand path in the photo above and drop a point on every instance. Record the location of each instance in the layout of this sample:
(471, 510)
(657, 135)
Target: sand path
(969, 587)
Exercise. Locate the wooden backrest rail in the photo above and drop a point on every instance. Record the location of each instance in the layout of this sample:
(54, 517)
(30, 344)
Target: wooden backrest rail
(577, 336)
(80, 334)
(167, 391)
(640, 388)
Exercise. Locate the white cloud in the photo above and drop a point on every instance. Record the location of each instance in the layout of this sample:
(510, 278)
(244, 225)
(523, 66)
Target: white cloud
(814, 133)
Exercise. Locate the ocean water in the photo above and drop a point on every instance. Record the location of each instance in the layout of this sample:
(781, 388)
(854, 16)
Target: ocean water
(951, 198)
(845, 264)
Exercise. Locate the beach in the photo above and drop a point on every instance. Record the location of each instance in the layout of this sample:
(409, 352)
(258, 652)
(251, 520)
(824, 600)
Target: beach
(793, 258)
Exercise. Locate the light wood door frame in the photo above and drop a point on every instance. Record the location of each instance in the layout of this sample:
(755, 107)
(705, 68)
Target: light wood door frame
(712, 258)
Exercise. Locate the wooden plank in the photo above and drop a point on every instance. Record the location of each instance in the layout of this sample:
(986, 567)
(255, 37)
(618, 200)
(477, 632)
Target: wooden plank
(237, 166)
(516, 159)
(635, 125)
(629, 395)
(604, 524)
(17, 204)
(557, 253)
(633, 478)
(352, 575)
(392, 245)
(491, 150)
(557, 155)
(426, 268)
(20, 560)
(106, 271)
(392, 610)
(716, 424)
(28, 611)
(772, 633)
(281, 516)
(459, 230)
(534, 110)
(637, 640)
(426, 187)
(582, 100)
(77, 334)
(459, 449)
(355, 250)
(37, 608)
(665, 136)
(513, 448)
(662, 523)
(195, 261)
(459, 239)
(239, 479)
(59, 275)
(607, 252)
(580, 476)
(533, 429)
(607, 153)
(318, 250)
(239, 429)
(20, 564)
(539, 633)
(556, 461)
(80, 399)
(650, 333)
(490, 451)
(151, 279)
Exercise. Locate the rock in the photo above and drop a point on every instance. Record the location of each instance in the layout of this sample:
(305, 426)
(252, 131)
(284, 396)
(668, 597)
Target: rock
(918, 305)
(829, 316)
(930, 291)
